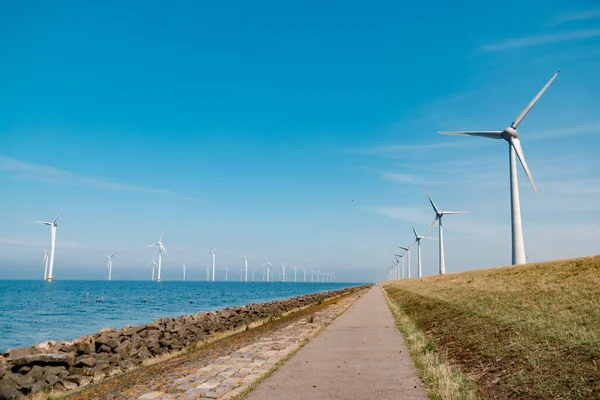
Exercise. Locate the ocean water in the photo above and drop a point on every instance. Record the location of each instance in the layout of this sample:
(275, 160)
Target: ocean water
(37, 311)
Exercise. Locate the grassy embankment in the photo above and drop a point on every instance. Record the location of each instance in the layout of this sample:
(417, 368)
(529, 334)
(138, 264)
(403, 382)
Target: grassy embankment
(527, 332)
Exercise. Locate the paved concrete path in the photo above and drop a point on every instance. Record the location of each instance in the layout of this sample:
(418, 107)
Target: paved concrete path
(360, 355)
(230, 375)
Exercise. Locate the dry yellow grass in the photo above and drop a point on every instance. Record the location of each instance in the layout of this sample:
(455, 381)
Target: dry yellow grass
(521, 332)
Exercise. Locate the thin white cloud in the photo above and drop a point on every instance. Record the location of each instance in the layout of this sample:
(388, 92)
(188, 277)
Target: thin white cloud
(537, 40)
(400, 178)
(577, 16)
(43, 173)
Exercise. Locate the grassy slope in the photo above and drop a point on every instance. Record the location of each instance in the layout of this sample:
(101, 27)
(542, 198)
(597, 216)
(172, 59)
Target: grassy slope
(528, 332)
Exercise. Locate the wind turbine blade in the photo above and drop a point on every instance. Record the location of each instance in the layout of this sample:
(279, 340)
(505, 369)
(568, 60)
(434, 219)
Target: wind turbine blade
(57, 215)
(455, 212)
(403, 248)
(43, 222)
(415, 232)
(487, 134)
(431, 226)
(516, 144)
(426, 237)
(518, 120)
(161, 236)
(151, 245)
(163, 249)
(437, 210)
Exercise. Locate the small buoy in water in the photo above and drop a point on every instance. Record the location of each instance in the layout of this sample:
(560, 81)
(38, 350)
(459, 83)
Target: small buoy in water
(191, 299)
(144, 298)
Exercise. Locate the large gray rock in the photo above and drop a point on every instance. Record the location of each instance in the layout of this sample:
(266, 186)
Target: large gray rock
(44, 359)
(19, 353)
(86, 361)
(9, 393)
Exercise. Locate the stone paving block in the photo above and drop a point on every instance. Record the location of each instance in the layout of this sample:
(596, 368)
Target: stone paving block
(208, 385)
(151, 396)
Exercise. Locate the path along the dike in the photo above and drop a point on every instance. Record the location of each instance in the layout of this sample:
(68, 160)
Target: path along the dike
(359, 356)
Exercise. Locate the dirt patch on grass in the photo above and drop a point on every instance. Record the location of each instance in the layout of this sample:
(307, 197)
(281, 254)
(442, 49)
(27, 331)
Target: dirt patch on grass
(528, 332)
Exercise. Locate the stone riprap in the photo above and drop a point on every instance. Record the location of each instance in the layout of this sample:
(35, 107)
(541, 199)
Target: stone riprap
(65, 365)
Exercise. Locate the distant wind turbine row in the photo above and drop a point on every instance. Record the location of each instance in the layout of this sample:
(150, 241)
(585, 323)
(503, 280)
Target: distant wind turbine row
(510, 135)
(48, 262)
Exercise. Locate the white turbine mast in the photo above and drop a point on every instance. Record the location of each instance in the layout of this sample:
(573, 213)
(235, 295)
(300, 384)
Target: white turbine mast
(153, 263)
(511, 135)
(226, 269)
(418, 239)
(53, 226)
(45, 262)
(245, 268)
(161, 248)
(184, 265)
(110, 258)
(407, 249)
(213, 252)
(438, 218)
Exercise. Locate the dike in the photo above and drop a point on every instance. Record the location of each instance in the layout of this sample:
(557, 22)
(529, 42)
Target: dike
(60, 366)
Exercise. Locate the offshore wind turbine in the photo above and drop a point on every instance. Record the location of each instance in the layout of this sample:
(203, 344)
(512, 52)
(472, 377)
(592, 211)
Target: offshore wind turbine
(153, 263)
(213, 251)
(511, 135)
(53, 226)
(161, 248)
(207, 273)
(418, 239)
(283, 269)
(110, 258)
(295, 274)
(438, 217)
(268, 265)
(246, 268)
(184, 264)
(226, 269)
(45, 261)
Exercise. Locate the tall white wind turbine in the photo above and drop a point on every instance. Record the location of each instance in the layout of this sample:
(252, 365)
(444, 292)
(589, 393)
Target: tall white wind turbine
(213, 252)
(153, 263)
(184, 265)
(268, 265)
(283, 269)
(45, 262)
(110, 258)
(438, 218)
(418, 239)
(511, 135)
(161, 248)
(245, 267)
(207, 273)
(226, 269)
(407, 249)
(53, 226)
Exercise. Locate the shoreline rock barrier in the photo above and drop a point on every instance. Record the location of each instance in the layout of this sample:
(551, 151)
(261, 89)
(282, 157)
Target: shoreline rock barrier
(61, 366)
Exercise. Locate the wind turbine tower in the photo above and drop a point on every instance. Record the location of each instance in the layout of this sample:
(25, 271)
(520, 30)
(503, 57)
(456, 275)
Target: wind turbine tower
(45, 261)
(515, 150)
(418, 239)
(110, 258)
(213, 251)
(53, 226)
(161, 248)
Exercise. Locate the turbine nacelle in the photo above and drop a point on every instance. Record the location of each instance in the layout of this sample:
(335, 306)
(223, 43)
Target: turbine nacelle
(509, 133)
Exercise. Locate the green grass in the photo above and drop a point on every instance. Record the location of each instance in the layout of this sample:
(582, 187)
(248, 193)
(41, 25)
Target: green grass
(527, 332)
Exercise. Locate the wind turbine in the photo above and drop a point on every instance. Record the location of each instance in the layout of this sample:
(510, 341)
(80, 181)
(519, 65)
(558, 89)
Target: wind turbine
(161, 248)
(226, 269)
(53, 226)
(401, 263)
(184, 264)
(511, 135)
(153, 263)
(207, 273)
(283, 273)
(295, 273)
(407, 249)
(438, 217)
(418, 239)
(110, 258)
(246, 268)
(269, 265)
(45, 261)
(253, 271)
(214, 261)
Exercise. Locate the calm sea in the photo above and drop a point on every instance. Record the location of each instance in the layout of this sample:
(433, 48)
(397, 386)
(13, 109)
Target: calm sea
(36, 311)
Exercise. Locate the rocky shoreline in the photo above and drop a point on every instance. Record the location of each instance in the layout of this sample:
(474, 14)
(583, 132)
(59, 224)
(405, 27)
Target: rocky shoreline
(57, 367)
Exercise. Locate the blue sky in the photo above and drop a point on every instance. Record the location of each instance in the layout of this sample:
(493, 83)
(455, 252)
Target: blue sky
(253, 126)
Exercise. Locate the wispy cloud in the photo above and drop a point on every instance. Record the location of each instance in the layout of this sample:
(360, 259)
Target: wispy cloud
(536, 40)
(566, 132)
(576, 16)
(400, 178)
(43, 173)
